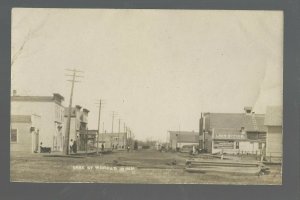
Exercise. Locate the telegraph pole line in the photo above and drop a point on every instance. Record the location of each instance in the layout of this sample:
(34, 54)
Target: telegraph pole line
(100, 103)
(67, 133)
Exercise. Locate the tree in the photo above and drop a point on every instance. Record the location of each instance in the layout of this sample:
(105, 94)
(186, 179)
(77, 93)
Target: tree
(29, 36)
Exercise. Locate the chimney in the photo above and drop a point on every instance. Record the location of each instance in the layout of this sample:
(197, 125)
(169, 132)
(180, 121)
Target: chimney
(248, 110)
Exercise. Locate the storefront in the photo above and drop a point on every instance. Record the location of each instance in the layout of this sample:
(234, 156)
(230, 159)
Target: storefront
(234, 141)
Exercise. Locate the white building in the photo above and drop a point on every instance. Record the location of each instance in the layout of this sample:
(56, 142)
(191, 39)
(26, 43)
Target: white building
(24, 136)
(273, 121)
(51, 112)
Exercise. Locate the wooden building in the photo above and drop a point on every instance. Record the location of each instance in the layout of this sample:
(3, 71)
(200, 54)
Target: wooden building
(273, 122)
(51, 112)
(24, 134)
(177, 139)
(78, 126)
(233, 132)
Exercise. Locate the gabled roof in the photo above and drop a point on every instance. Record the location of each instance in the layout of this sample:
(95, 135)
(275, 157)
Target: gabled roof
(254, 122)
(251, 122)
(226, 120)
(20, 119)
(273, 116)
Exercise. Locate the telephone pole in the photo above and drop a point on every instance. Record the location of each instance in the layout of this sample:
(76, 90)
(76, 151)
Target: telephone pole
(112, 122)
(119, 131)
(67, 133)
(201, 133)
(99, 115)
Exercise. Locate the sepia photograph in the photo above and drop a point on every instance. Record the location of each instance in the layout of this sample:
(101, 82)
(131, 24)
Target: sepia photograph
(146, 96)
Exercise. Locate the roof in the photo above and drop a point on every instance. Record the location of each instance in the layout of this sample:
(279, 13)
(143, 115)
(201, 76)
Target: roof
(251, 122)
(254, 122)
(32, 98)
(85, 110)
(55, 98)
(20, 119)
(184, 136)
(226, 120)
(273, 116)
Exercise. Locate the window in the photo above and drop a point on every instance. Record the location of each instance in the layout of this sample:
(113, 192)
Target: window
(13, 135)
(237, 145)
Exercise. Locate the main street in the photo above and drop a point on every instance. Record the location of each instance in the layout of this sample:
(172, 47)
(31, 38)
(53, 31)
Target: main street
(142, 166)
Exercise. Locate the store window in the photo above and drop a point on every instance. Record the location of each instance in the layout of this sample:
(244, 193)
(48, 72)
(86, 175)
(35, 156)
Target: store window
(237, 145)
(13, 135)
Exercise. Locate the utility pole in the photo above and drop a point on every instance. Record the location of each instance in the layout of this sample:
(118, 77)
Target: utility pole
(67, 133)
(119, 131)
(103, 132)
(99, 115)
(201, 133)
(112, 122)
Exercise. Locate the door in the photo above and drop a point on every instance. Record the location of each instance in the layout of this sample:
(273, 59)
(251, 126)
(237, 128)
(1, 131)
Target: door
(36, 141)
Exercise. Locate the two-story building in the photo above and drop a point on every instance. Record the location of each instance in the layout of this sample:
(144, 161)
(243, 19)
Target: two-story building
(50, 109)
(78, 125)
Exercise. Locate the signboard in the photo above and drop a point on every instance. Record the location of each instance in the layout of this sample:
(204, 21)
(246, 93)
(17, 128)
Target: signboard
(223, 145)
(232, 135)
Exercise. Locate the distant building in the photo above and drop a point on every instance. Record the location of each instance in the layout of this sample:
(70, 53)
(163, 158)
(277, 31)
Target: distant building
(51, 112)
(181, 138)
(273, 121)
(233, 132)
(78, 125)
(24, 135)
(112, 140)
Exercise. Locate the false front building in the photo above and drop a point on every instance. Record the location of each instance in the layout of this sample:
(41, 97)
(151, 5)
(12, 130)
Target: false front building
(110, 140)
(78, 125)
(50, 112)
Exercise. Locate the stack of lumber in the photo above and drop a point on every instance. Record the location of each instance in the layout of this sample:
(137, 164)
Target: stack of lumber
(224, 166)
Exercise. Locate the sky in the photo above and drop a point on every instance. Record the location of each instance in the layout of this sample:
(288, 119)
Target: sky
(157, 69)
